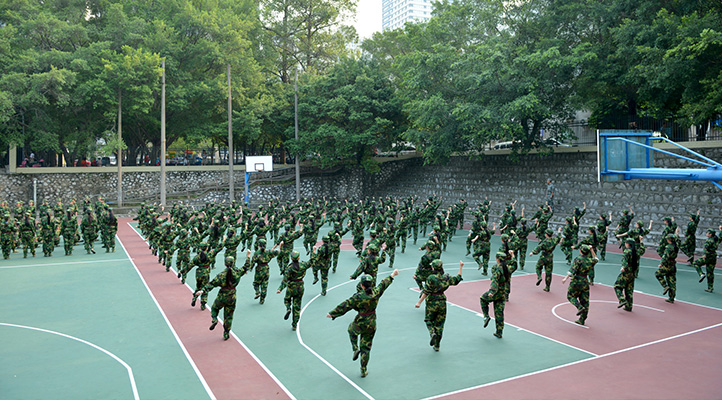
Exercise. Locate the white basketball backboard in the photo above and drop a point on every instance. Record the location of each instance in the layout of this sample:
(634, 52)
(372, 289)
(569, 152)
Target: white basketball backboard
(259, 163)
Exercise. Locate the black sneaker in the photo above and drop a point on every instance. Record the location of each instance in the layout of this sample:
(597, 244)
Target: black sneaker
(497, 334)
(538, 281)
(213, 325)
(701, 278)
(622, 304)
(708, 290)
(193, 303)
(486, 321)
(355, 355)
(288, 313)
(226, 335)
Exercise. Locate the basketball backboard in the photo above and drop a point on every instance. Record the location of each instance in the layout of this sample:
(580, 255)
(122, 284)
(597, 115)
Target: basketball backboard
(259, 163)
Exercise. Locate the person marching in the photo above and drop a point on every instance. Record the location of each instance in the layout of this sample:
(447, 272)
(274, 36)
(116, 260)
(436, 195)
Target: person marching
(500, 274)
(624, 286)
(667, 272)
(578, 292)
(28, 236)
(286, 239)
(364, 325)
(546, 258)
(89, 227)
(709, 258)
(226, 280)
(591, 241)
(690, 239)
(433, 293)
(293, 283)
(204, 260)
(603, 234)
(260, 261)
(569, 238)
(482, 246)
(424, 269)
(369, 264)
(323, 263)
(521, 243)
(70, 232)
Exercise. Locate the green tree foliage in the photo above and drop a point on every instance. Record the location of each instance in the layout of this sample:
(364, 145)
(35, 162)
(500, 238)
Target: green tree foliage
(347, 114)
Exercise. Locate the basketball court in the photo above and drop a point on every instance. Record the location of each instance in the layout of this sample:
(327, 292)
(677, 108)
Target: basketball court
(117, 325)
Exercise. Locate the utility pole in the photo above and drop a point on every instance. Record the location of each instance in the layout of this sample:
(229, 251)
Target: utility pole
(119, 161)
(162, 139)
(230, 139)
(298, 160)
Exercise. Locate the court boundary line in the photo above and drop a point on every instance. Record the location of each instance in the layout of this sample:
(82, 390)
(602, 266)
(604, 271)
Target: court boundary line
(64, 263)
(639, 346)
(323, 360)
(131, 377)
(170, 326)
(554, 310)
(253, 355)
(479, 314)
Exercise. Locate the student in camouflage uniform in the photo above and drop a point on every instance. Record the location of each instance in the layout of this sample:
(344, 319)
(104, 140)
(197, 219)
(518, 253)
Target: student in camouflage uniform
(286, 239)
(624, 286)
(521, 243)
(322, 263)
(227, 281)
(357, 230)
(667, 272)
(47, 234)
(183, 259)
(260, 261)
(110, 228)
(578, 292)
(364, 325)
(690, 238)
(424, 269)
(497, 294)
(402, 233)
(508, 249)
(591, 241)
(369, 264)
(482, 246)
(204, 261)
(436, 284)
(27, 234)
(603, 234)
(292, 281)
(546, 258)
(7, 230)
(89, 227)
(624, 221)
(335, 237)
(670, 228)
(390, 241)
(70, 232)
(709, 258)
(568, 239)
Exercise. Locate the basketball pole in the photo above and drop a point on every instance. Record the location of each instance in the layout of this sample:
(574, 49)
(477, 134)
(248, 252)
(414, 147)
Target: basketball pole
(298, 161)
(230, 139)
(119, 157)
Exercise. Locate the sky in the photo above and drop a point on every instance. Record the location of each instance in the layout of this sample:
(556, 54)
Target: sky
(368, 18)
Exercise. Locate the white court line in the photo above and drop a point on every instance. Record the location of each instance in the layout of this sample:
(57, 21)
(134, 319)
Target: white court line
(554, 310)
(323, 360)
(275, 379)
(175, 334)
(478, 314)
(63, 263)
(116, 358)
(513, 378)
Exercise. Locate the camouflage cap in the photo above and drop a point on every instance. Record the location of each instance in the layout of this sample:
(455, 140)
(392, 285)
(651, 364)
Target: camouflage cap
(585, 249)
(629, 240)
(372, 248)
(288, 227)
(549, 232)
(625, 211)
(430, 244)
(261, 242)
(504, 237)
(326, 238)
(295, 255)
(592, 228)
(230, 260)
(568, 219)
(434, 280)
(501, 256)
(672, 237)
(436, 264)
(667, 219)
(523, 220)
(712, 231)
(367, 278)
(372, 232)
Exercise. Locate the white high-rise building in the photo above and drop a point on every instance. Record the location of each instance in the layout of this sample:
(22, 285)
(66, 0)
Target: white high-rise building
(395, 13)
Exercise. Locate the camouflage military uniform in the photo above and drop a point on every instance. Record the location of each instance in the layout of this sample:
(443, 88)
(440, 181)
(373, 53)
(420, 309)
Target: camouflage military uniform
(288, 237)
(369, 264)
(364, 325)
(227, 281)
(7, 230)
(47, 234)
(27, 234)
(260, 261)
(89, 227)
(322, 264)
(292, 281)
(423, 270)
(690, 240)
(70, 233)
(435, 316)
(335, 235)
(624, 286)
(203, 274)
(709, 258)
(602, 236)
(670, 227)
(545, 249)
(521, 243)
(667, 272)
(578, 292)
(568, 239)
(482, 248)
(496, 294)
(182, 261)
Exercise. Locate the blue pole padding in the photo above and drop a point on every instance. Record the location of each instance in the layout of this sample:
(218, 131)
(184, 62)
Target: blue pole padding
(246, 188)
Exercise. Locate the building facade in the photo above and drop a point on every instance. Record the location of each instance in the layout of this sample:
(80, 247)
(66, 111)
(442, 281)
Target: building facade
(395, 13)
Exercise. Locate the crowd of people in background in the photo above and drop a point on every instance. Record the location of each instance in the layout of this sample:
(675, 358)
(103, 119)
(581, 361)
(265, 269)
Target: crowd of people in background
(27, 227)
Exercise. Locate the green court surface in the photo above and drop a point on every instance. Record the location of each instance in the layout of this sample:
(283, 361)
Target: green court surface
(102, 300)
(65, 310)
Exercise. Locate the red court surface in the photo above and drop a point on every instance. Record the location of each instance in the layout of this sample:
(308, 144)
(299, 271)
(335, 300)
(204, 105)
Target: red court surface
(667, 351)
(229, 369)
